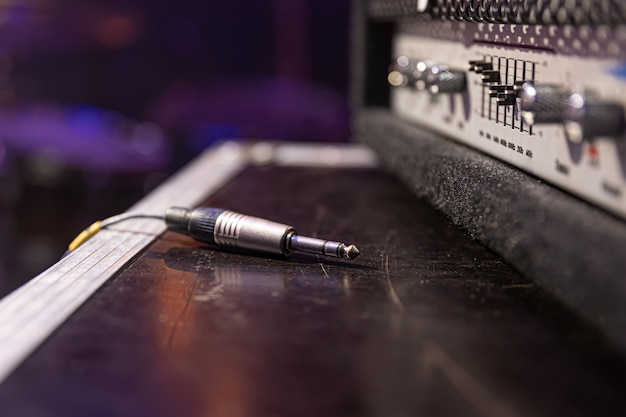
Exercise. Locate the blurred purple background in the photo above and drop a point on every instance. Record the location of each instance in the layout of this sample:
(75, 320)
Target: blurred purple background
(102, 100)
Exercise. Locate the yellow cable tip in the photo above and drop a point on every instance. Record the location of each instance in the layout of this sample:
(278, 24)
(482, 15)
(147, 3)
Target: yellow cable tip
(85, 235)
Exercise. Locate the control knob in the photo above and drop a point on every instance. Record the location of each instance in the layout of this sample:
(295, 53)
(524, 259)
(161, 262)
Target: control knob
(444, 80)
(426, 75)
(401, 71)
(586, 118)
(405, 71)
(542, 103)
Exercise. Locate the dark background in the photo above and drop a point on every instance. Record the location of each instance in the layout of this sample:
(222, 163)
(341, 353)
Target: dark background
(102, 100)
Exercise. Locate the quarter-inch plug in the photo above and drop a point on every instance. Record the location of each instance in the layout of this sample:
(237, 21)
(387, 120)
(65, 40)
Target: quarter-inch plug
(227, 228)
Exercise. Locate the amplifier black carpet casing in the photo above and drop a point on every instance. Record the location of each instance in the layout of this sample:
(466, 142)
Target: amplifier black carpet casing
(573, 250)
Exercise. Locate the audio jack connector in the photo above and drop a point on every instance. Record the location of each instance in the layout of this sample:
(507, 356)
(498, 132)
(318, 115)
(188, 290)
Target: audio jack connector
(227, 228)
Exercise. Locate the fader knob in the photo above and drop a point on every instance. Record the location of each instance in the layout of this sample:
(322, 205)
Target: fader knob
(491, 76)
(542, 103)
(496, 89)
(506, 99)
(480, 66)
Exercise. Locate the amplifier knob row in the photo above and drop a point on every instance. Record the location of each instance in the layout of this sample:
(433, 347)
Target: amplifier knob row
(583, 116)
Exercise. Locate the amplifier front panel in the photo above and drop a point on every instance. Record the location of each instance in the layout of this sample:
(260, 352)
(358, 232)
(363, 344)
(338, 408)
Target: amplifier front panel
(576, 143)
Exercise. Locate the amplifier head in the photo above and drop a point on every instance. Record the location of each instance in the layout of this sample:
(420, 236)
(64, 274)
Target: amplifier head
(509, 116)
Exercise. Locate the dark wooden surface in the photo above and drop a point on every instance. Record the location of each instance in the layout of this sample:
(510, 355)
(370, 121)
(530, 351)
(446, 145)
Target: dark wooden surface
(426, 322)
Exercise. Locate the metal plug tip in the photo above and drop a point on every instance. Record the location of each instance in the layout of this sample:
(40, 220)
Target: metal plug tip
(321, 247)
(350, 252)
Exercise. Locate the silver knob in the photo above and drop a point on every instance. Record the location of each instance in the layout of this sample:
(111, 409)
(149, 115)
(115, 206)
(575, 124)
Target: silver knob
(446, 81)
(405, 71)
(425, 75)
(401, 71)
(588, 118)
(542, 103)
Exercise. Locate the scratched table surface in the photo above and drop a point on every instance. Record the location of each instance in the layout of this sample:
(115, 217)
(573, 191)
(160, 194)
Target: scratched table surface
(425, 322)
